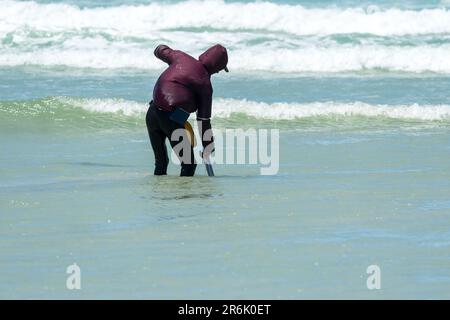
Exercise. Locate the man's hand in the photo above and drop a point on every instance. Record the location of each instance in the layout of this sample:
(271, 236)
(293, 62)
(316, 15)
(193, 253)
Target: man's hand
(207, 152)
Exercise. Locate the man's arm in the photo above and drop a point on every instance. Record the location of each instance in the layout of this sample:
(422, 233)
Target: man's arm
(204, 121)
(164, 53)
(205, 131)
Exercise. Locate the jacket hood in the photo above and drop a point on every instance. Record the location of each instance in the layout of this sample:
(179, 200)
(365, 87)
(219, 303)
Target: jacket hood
(215, 59)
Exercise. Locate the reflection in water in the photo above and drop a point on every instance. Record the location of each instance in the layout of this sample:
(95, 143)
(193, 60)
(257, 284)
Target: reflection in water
(171, 198)
(183, 188)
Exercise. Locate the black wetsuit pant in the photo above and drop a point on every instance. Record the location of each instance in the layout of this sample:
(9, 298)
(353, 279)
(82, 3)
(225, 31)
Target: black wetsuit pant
(160, 127)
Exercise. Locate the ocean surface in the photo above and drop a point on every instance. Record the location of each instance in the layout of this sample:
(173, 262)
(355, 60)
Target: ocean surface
(360, 91)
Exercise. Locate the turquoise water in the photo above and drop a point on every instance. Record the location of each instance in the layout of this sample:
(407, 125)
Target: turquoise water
(358, 90)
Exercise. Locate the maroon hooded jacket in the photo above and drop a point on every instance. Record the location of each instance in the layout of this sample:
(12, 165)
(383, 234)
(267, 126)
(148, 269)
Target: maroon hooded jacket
(186, 83)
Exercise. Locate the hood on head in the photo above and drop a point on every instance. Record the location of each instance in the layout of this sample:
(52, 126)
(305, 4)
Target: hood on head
(215, 59)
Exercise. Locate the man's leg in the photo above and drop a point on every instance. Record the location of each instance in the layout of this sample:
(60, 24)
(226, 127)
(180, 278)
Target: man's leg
(188, 170)
(158, 142)
(188, 164)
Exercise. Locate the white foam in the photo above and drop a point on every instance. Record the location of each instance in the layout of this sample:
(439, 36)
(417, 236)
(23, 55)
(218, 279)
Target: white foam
(263, 16)
(225, 108)
(119, 106)
(346, 58)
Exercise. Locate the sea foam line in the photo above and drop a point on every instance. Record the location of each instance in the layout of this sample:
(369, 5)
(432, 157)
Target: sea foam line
(225, 108)
(331, 59)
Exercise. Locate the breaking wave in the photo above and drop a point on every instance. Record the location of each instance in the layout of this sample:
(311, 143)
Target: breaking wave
(61, 108)
(261, 36)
